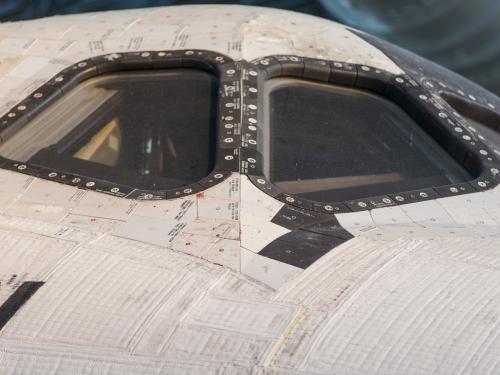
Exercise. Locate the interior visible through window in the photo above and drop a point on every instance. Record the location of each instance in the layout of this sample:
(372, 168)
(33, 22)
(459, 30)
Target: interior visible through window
(146, 129)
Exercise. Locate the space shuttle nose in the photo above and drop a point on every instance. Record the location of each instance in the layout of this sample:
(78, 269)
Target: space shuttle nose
(240, 190)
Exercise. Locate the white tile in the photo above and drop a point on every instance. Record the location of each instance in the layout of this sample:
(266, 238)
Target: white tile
(37, 211)
(145, 229)
(266, 270)
(12, 182)
(89, 223)
(255, 317)
(105, 206)
(428, 214)
(52, 193)
(357, 223)
(214, 228)
(181, 209)
(225, 253)
(215, 208)
(257, 233)
(256, 202)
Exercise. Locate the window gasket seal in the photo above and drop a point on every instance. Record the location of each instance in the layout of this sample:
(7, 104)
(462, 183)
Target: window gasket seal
(227, 121)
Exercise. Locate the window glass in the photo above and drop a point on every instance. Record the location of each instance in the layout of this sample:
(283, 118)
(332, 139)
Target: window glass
(330, 144)
(149, 129)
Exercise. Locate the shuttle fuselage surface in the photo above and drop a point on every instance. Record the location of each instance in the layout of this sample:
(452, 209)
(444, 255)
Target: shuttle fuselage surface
(242, 190)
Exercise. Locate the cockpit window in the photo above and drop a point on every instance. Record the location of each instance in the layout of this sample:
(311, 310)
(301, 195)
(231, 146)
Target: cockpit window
(330, 143)
(147, 129)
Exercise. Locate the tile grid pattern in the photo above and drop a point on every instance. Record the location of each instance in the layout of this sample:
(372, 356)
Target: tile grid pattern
(178, 287)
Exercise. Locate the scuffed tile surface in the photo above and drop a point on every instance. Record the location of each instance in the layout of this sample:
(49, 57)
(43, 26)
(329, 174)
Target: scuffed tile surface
(178, 286)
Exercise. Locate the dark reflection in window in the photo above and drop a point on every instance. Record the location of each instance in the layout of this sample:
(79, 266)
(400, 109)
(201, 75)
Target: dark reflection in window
(150, 129)
(329, 143)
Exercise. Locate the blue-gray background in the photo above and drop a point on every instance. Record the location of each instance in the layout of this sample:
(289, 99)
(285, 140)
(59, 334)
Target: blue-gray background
(463, 35)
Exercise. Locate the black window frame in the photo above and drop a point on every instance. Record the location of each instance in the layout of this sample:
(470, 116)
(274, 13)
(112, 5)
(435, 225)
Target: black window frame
(241, 131)
(227, 141)
(422, 103)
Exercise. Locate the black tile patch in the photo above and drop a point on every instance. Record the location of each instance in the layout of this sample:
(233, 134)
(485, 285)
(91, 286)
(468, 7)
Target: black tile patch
(264, 185)
(331, 208)
(330, 228)
(300, 248)
(185, 191)
(214, 178)
(312, 235)
(251, 162)
(74, 74)
(372, 79)
(28, 169)
(147, 194)
(291, 65)
(110, 188)
(17, 299)
(370, 203)
(292, 217)
(450, 190)
(343, 73)
(295, 201)
(414, 196)
(318, 70)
